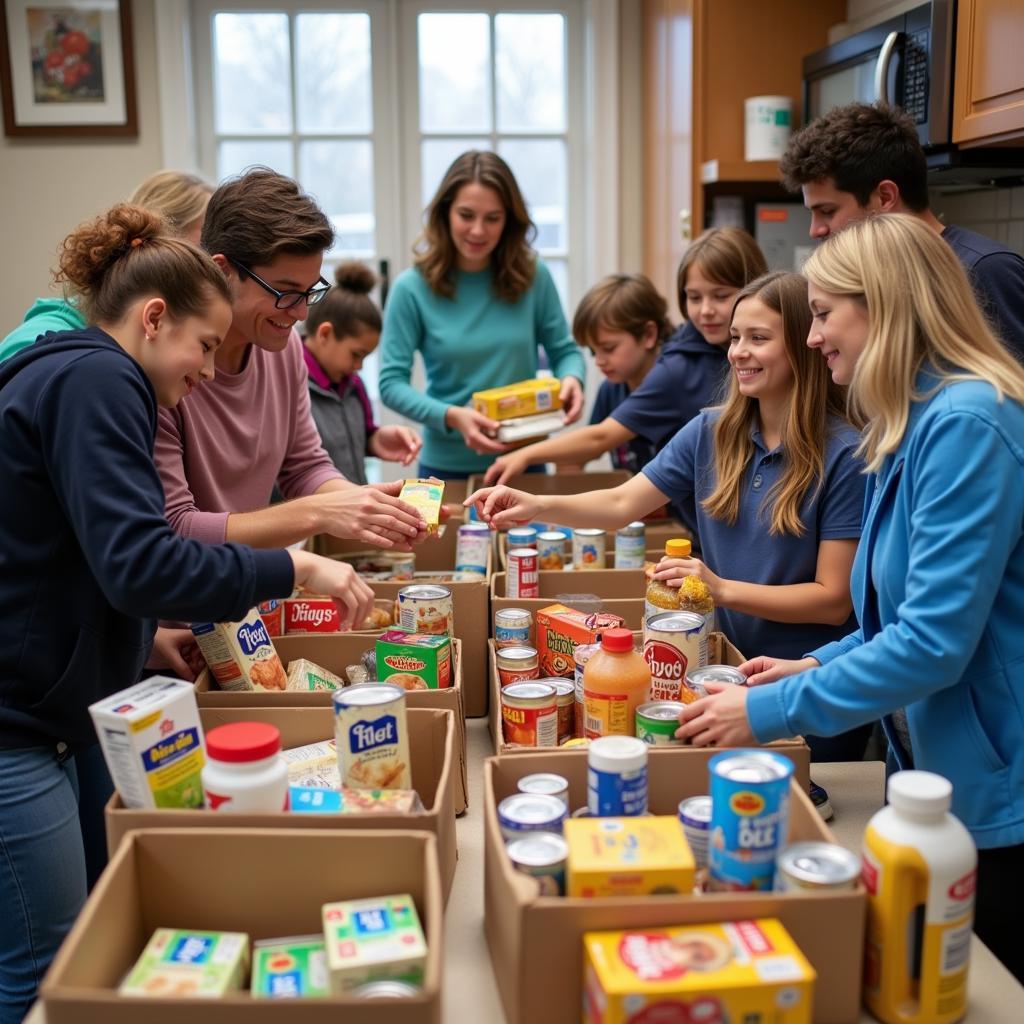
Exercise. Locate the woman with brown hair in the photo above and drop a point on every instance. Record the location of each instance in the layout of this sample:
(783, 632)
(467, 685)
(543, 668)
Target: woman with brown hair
(475, 305)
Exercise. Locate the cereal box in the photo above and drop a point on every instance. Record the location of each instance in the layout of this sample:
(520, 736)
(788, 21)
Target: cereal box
(628, 857)
(415, 661)
(153, 743)
(524, 398)
(307, 675)
(373, 940)
(294, 968)
(560, 630)
(708, 973)
(315, 765)
(198, 964)
(272, 614)
(311, 613)
(427, 497)
(241, 655)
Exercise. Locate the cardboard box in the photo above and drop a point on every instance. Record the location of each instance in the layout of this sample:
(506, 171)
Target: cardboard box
(431, 749)
(256, 881)
(334, 651)
(536, 942)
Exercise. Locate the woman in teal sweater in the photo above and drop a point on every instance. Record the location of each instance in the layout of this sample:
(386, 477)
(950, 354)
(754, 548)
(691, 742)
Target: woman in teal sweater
(475, 305)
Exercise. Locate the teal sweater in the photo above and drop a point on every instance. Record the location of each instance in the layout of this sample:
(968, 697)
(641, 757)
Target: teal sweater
(469, 343)
(45, 315)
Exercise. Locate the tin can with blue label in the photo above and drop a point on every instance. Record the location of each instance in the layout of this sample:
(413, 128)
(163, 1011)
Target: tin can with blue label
(631, 546)
(749, 818)
(472, 547)
(617, 777)
(522, 537)
(512, 627)
(372, 737)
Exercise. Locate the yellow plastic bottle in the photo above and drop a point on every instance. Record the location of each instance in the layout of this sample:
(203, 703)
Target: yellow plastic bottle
(919, 869)
(691, 596)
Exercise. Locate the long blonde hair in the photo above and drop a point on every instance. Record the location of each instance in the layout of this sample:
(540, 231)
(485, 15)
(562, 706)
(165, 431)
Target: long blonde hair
(180, 198)
(805, 429)
(921, 311)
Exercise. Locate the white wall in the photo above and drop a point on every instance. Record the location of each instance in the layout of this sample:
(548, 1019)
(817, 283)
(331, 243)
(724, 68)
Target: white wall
(50, 185)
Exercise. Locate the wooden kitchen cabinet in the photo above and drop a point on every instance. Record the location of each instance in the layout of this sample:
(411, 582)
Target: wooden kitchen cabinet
(988, 91)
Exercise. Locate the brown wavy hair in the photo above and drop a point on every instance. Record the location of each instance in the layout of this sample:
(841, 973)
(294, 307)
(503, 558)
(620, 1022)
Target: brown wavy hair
(347, 307)
(513, 262)
(128, 253)
(621, 302)
(814, 398)
(729, 256)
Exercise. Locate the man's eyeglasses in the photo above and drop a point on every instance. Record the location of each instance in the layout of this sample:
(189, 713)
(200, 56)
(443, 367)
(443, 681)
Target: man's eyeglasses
(286, 300)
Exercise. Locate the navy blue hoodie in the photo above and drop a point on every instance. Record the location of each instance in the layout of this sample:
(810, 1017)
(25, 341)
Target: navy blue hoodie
(87, 559)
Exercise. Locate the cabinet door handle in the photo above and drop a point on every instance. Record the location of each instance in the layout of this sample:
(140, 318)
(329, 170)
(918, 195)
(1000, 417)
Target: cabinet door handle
(882, 67)
(685, 227)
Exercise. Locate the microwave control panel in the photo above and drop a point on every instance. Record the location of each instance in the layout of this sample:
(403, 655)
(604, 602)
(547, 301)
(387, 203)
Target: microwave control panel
(915, 76)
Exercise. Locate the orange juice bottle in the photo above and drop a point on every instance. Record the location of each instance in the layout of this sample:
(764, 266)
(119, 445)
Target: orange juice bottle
(616, 680)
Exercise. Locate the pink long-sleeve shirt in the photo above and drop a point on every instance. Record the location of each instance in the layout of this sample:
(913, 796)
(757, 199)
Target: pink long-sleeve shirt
(222, 448)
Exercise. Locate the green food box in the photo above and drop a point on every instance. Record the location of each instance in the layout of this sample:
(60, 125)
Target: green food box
(182, 964)
(415, 661)
(294, 968)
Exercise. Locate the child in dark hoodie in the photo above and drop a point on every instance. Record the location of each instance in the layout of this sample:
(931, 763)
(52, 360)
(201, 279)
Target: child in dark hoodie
(87, 559)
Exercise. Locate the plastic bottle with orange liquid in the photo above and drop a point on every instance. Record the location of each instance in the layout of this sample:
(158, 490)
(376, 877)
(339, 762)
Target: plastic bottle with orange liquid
(692, 595)
(616, 681)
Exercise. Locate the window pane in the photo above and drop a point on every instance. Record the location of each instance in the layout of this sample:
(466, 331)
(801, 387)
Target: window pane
(233, 157)
(333, 69)
(560, 275)
(251, 79)
(529, 58)
(455, 80)
(340, 176)
(540, 169)
(437, 155)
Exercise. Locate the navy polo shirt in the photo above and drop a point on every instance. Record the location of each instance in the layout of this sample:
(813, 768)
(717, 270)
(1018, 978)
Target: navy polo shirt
(634, 454)
(685, 472)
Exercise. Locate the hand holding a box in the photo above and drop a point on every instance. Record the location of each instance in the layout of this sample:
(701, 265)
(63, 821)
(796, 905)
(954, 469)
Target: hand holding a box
(571, 397)
(335, 579)
(476, 429)
(372, 514)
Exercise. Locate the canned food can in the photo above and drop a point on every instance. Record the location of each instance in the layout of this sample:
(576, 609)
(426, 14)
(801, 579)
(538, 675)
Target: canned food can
(541, 856)
(631, 546)
(527, 812)
(546, 783)
(673, 645)
(371, 737)
(551, 550)
(588, 549)
(749, 818)
(617, 777)
(522, 537)
(657, 721)
(565, 691)
(582, 654)
(472, 546)
(697, 677)
(529, 715)
(386, 990)
(401, 565)
(516, 663)
(817, 867)
(512, 627)
(522, 578)
(695, 816)
(426, 608)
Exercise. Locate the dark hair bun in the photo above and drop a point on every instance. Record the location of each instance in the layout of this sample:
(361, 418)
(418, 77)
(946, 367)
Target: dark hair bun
(353, 276)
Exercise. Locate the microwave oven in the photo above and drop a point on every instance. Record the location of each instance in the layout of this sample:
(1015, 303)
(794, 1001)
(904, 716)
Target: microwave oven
(906, 60)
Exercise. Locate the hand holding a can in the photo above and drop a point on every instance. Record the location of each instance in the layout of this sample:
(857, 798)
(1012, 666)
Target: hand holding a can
(718, 720)
(764, 669)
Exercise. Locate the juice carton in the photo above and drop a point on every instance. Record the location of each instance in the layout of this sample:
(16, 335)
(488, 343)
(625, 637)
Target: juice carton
(153, 743)
(198, 964)
(524, 398)
(307, 675)
(628, 857)
(241, 655)
(415, 661)
(711, 973)
(427, 496)
(373, 940)
(560, 630)
(294, 968)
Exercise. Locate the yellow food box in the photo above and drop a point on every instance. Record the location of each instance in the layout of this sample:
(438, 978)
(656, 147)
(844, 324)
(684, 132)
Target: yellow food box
(525, 398)
(706, 973)
(426, 496)
(628, 857)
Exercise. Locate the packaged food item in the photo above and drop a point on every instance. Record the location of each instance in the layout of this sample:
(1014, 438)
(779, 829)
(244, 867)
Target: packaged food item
(588, 549)
(749, 818)
(373, 940)
(631, 546)
(313, 765)
(547, 784)
(382, 565)
(692, 595)
(743, 972)
(616, 681)
(272, 614)
(241, 655)
(542, 856)
(185, 964)
(524, 398)
(311, 613)
(551, 550)
(522, 578)
(522, 537)
(379, 618)
(529, 714)
(307, 676)
(244, 770)
(920, 867)
(697, 677)
(526, 428)
(311, 800)
(660, 597)
(426, 608)
(530, 812)
(472, 548)
(427, 497)
(565, 691)
(372, 737)
(415, 661)
(580, 656)
(153, 743)
(695, 817)
(657, 721)
(512, 627)
(617, 777)
(627, 857)
(674, 645)
(516, 663)
(399, 565)
(816, 867)
(292, 968)
(560, 630)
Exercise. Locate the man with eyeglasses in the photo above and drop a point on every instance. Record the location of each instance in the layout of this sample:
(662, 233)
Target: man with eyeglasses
(224, 447)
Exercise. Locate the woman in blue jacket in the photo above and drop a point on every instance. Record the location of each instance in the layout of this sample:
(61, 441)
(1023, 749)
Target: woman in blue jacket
(938, 580)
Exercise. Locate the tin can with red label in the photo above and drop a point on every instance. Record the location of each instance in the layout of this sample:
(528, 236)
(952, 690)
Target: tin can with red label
(272, 614)
(311, 615)
(529, 714)
(516, 663)
(523, 578)
(671, 648)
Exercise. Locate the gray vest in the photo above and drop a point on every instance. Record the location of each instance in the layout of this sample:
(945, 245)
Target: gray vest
(342, 425)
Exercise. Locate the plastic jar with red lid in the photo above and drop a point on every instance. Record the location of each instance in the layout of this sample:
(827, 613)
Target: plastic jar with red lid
(245, 771)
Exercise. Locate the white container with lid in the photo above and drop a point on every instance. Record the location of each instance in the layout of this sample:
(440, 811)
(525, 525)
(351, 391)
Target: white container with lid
(244, 771)
(768, 123)
(617, 777)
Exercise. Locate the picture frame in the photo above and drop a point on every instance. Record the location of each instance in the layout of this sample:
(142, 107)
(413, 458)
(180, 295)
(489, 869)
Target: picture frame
(67, 69)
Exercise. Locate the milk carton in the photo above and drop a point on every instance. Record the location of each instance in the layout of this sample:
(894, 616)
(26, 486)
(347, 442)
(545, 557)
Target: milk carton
(153, 743)
(294, 968)
(241, 655)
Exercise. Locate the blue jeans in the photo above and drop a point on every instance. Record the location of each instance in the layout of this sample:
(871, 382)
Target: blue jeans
(42, 869)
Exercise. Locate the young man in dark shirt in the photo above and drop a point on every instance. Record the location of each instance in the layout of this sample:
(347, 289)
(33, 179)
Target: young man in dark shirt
(859, 160)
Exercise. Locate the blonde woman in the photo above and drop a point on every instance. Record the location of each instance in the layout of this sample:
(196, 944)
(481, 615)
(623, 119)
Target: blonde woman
(938, 581)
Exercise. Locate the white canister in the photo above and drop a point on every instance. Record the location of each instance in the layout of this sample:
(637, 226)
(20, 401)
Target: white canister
(245, 771)
(768, 123)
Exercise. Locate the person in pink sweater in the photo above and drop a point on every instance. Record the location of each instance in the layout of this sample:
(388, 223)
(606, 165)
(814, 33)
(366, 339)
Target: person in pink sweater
(224, 446)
